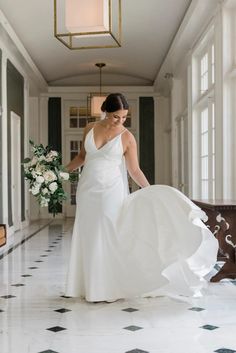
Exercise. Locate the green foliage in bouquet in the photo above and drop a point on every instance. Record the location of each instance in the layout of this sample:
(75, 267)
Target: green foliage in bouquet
(46, 175)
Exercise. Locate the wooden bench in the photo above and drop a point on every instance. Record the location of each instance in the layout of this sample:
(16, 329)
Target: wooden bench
(3, 235)
(222, 223)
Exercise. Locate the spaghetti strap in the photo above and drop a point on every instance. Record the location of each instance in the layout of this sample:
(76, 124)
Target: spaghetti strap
(123, 131)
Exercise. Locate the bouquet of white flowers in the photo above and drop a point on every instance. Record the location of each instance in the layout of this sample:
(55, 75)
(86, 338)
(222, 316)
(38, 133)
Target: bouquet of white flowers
(46, 174)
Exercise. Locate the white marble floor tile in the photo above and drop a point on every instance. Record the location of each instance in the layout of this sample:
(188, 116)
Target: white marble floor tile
(153, 325)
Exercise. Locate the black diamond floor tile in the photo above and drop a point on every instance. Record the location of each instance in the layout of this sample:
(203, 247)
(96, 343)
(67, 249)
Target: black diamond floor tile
(133, 328)
(48, 250)
(65, 296)
(48, 351)
(1, 311)
(26, 275)
(56, 328)
(209, 327)
(63, 310)
(196, 309)
(43, 255)
(38, 261)
(8, 296)
(136, 350)
(32, 268)
(18, 285)
(225, 350)
(130, 310)
(52, 246)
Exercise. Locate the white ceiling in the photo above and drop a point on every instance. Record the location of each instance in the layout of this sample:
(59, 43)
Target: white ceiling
(148, 29)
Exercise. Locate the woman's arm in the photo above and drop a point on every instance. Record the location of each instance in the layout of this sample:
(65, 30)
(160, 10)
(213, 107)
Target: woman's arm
(78, 161)
(131, 159)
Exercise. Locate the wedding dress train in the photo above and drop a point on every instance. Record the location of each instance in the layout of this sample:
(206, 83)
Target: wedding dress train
(133, 245)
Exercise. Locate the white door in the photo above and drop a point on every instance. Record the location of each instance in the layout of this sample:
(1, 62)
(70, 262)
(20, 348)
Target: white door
(16, 170)
(73, 145)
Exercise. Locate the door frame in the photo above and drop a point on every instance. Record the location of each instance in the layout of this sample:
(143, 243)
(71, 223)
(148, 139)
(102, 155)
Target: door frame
(16, 171)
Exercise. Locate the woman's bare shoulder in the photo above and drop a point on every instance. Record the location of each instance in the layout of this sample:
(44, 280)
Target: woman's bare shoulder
(89, 126)
(128, 136)
(128, 140)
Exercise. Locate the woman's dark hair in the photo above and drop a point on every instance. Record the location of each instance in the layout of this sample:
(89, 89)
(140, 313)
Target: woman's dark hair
(114, 102)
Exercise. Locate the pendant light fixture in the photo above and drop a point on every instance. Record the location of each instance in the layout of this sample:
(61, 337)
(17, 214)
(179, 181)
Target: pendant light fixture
(98, 99)
(88, 24)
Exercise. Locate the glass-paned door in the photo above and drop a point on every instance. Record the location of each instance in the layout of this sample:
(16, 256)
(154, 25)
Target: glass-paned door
(73, 146)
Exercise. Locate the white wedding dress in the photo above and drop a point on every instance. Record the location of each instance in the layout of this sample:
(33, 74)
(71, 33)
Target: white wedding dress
(134, 245)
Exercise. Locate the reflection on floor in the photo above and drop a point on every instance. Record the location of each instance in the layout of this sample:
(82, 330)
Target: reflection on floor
(35, 317)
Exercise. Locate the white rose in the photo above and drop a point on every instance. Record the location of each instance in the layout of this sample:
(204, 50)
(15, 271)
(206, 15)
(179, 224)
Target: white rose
(40, 179)
(45, 191)
(54, 153)
(64, 175)
(49, 176)
(51, 155)
(44, 202)
(42, 158)
(53, 187)
(49, 159)
(34, 175)
(35, 189)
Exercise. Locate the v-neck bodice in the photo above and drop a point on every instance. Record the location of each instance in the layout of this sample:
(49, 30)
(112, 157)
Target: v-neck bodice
(113, 149)
(109, 141)
(104, 165)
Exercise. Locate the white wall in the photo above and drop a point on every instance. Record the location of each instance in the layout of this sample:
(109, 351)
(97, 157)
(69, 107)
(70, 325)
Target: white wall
(162, 141)
(33, 83)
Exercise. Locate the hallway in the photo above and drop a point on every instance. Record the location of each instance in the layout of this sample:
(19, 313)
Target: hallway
(35, 317)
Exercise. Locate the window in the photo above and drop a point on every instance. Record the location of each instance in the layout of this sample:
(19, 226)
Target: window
(206, 69)
(204, 73)
(205, 168)
(203, 180)
(204, 154)
(212, 64)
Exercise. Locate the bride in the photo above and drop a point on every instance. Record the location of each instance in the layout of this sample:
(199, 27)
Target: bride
(131, 245)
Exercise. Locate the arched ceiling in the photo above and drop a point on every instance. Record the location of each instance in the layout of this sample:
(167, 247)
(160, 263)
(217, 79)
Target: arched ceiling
(148, 29)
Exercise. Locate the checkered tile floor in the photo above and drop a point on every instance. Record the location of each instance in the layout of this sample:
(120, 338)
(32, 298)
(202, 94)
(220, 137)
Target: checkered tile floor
(35, 316)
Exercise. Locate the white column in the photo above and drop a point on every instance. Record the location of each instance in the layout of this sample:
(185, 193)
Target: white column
(34, 132)
(190, 128)
(43, 138)
(4, 140)
(175, 111)
(26, 146)
(162, 141)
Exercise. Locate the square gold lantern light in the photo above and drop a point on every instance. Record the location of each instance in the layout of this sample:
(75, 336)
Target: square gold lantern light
(88, 24)
(95, 100)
